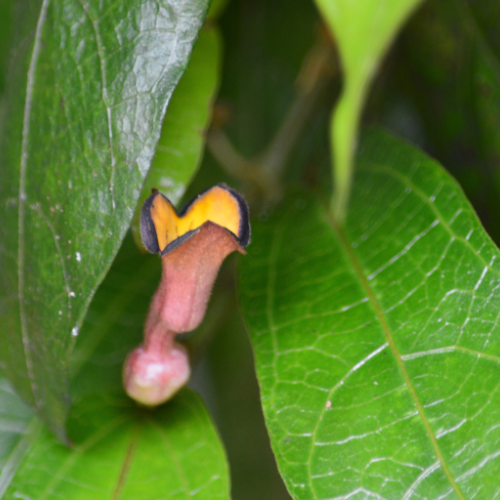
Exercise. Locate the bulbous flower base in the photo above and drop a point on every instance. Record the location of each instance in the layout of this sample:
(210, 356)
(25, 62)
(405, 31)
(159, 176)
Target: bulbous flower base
(153, 377)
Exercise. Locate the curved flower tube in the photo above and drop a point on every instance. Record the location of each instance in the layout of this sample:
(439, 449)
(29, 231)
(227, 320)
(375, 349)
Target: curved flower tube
(192, 246)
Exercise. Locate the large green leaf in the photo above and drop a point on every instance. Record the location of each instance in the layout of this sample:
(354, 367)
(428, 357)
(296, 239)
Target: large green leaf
(378, 346)
(119, 450)
(363, 30)
(88, 86)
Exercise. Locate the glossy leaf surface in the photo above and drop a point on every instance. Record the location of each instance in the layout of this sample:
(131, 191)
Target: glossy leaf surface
(362, 30)
(84, 102)
(378, 347)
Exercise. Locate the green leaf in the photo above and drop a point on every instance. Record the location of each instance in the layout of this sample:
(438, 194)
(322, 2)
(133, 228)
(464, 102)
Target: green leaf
(84, 102)
(377, 347)
(114, 323)
(122, 451)
(182, 139)
(362, 30)
(119, 450)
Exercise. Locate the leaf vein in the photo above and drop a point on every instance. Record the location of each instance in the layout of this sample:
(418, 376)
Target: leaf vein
(391, 343)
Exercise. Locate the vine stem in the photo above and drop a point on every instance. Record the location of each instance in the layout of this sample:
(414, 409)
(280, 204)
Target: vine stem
(263, 173)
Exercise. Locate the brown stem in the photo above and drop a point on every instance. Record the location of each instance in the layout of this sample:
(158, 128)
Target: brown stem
(264, 172)
(314, 75)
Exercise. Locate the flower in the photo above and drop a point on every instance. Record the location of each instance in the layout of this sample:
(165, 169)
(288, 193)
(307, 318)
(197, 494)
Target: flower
(192, 246)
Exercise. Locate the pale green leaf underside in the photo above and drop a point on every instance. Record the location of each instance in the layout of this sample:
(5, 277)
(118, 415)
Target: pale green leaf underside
(362, 31)
(378, 350)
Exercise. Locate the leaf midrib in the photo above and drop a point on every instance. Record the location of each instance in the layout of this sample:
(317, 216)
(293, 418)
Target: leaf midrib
(392, 345)
(127, 462)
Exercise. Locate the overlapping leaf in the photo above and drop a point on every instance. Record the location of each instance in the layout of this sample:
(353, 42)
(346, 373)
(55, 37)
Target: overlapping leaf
(118, 450)
(378, 347)
(88, 86)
